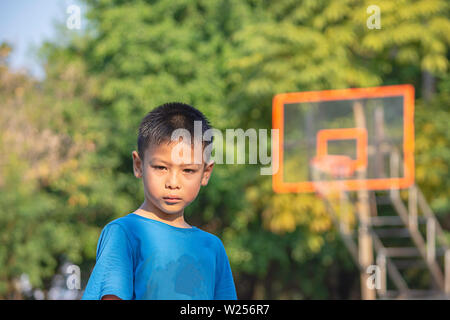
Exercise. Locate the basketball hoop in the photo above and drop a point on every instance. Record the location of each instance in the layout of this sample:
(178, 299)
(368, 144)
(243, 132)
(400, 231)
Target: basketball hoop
(312, 123)
(337, 166)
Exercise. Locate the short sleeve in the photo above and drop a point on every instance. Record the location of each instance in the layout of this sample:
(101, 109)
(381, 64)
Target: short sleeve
(113, 270)
(224, 285)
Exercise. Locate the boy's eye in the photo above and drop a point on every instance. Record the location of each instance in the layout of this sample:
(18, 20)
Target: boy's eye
(163, 168)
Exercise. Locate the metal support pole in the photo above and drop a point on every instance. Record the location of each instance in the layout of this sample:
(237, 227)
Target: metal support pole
(381, 262)
(447, 271)
(412, 206)
(344, 214)
(365, 245)
(431, 240)
(394, 162)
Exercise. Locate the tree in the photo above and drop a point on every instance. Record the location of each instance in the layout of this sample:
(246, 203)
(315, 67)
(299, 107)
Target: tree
(228, 58)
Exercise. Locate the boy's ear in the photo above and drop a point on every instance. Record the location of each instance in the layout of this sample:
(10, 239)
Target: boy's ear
(137, 165)
(207, 173)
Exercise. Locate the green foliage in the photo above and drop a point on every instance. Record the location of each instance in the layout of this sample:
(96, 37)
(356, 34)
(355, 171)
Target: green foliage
(432, 149)
(228, 58)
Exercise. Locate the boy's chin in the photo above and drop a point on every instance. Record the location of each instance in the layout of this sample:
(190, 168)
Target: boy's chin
(171, 209)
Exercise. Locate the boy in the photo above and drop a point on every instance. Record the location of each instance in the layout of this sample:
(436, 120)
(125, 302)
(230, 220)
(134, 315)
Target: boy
(153, 253)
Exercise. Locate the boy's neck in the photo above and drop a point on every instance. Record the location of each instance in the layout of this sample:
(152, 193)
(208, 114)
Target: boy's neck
(148, 210)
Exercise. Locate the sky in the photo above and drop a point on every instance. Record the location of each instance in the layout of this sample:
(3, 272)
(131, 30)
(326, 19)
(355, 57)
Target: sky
(26, 24)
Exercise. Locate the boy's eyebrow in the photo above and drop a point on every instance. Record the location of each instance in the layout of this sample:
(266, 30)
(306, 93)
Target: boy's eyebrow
(157, 159)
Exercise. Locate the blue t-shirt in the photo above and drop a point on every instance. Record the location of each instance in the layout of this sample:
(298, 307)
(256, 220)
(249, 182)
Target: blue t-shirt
(141, 258)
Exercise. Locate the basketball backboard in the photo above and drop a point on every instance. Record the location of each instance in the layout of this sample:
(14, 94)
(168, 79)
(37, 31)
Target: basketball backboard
(350, 139)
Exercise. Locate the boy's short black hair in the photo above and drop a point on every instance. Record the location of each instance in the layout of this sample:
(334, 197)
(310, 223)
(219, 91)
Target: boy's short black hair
(158, 125)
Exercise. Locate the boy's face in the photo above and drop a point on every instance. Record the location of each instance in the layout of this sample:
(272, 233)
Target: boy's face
(165, 178)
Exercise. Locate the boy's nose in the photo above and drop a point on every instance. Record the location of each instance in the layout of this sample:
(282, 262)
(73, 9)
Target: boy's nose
(172, 182)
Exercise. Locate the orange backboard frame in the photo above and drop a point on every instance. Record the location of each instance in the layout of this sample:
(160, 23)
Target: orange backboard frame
(359, 134)
(406, 91)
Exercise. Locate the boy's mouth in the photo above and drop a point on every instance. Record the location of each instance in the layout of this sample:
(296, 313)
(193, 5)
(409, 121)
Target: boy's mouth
(171, 199)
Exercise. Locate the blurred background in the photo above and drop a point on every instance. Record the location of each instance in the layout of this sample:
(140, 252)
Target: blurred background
(76, 78)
